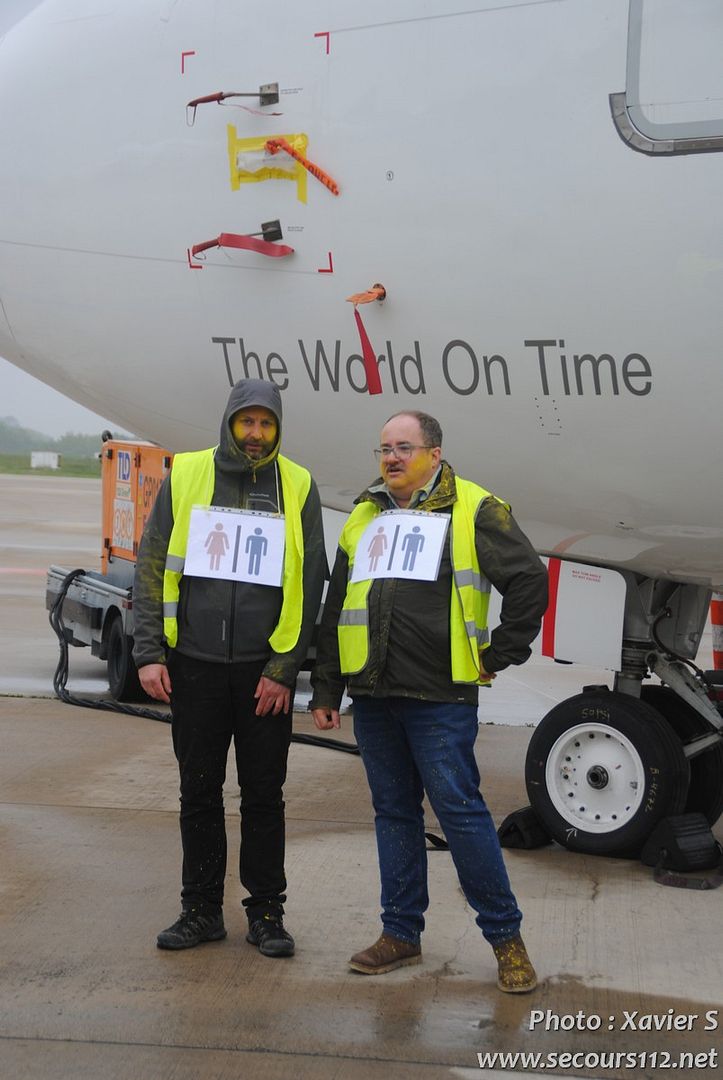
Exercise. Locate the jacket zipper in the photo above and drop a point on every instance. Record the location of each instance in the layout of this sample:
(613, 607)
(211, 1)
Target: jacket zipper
(232, 612)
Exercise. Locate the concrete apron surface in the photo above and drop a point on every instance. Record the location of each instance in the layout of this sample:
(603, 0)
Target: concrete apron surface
(90, 873)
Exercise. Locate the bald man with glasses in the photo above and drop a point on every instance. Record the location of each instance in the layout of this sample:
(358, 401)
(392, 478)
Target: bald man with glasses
(408, 639)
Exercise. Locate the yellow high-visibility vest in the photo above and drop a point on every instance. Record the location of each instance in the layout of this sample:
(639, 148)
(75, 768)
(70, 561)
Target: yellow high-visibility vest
(192, 484)
(470, 596)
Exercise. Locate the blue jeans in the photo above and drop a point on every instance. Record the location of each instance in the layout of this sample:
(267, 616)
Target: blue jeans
(409, 747)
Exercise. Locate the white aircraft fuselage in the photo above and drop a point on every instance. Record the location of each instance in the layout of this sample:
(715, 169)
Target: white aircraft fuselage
(552, 295)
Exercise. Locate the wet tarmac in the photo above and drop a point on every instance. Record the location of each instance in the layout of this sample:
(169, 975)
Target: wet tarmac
(91, 857)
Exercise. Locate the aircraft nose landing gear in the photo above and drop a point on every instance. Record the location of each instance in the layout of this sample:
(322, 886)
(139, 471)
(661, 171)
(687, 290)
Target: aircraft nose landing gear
(602, 769)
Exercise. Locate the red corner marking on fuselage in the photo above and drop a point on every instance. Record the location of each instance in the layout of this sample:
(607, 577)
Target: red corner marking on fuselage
(327, 269)
(548, 620)
(189, 52)
(553, 579)
(327, 35)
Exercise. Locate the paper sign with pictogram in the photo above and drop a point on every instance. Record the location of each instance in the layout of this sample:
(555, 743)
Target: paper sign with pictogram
(401, 544)
(235, 545)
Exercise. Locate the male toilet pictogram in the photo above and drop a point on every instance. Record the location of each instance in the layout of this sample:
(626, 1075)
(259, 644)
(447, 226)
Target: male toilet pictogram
(256, 547)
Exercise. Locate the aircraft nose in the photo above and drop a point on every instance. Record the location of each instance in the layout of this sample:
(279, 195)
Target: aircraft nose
(6, 337)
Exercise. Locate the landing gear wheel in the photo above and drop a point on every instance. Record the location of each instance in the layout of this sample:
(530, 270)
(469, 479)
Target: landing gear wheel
(122, 673)
(602, 769)
(705, 794)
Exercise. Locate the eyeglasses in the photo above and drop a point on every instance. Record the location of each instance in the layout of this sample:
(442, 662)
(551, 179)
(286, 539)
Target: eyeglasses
(402, 451)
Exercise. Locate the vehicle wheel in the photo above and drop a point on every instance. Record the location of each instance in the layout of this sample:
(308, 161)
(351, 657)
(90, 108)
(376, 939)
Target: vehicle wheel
(122, 674)
(705, 794)
(602, 769)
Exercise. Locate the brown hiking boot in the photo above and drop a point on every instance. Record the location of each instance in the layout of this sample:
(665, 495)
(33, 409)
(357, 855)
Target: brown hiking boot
(386, 954)
(515, 973)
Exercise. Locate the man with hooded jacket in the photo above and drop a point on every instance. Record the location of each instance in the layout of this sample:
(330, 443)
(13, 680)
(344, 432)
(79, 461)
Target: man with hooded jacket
(225, 653)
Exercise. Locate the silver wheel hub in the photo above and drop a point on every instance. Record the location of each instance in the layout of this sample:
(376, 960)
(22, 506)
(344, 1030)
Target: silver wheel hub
(595, 778)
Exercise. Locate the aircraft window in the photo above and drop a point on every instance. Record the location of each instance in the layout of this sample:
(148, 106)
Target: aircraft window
(673, 101)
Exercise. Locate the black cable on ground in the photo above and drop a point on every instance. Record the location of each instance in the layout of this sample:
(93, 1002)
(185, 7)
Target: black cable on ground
(60, 679)
(61, 672)
(329, 744)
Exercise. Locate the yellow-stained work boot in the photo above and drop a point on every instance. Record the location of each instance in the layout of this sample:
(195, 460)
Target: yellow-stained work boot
(386, 954)
(515, 973)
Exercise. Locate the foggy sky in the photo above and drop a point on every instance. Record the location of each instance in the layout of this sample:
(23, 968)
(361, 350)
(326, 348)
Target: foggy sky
(35, 405)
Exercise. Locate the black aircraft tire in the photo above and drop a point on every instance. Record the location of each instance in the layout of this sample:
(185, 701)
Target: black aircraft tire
(705, 794)
(602, 769)
(123, 679)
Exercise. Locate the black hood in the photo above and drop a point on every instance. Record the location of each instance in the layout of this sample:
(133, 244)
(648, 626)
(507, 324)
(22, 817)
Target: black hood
(244, 395)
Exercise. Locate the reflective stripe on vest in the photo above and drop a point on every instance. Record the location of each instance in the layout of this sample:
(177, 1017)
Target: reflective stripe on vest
(469, 599)
(192, 482)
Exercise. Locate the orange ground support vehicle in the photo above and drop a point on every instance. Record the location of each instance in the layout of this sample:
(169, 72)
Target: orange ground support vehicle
(98, 606)
(131, 475)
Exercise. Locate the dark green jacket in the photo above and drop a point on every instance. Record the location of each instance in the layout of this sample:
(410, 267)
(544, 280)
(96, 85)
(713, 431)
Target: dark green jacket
(409, 641)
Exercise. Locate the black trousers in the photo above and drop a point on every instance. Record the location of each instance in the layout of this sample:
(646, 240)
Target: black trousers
(212, 704)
